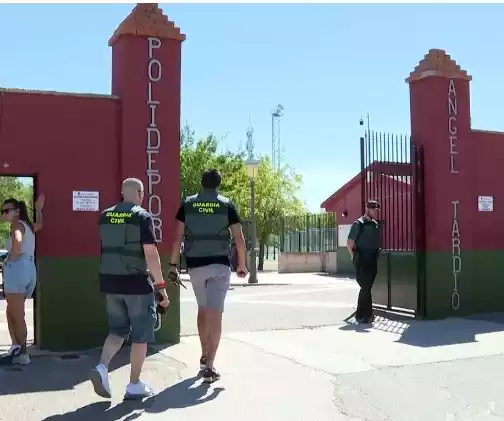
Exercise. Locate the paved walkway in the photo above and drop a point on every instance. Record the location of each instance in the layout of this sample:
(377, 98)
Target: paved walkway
(282, 375)
(275, 278)
(398, 370)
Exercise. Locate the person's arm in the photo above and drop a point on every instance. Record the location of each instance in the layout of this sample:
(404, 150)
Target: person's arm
(39, 204)
(17, 232)
(37, 224)
(236, 230)
(352, 237)
(151, 253)
(179, 234)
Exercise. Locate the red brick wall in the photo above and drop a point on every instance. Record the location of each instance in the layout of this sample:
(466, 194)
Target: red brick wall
(76, 142)
(488, 153)
(69, 143)
(394, 197)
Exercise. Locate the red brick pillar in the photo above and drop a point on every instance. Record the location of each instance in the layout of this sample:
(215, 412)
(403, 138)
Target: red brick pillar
(146, 74)
(440, 122)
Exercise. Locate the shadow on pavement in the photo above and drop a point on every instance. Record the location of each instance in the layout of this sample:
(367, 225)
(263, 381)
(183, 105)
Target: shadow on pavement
(184, 394)
(340, 276)
(53, 373)
(430, 333)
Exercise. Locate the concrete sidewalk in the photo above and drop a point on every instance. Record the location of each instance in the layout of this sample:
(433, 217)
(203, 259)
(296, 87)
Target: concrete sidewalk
(254, 385)
(301, 374)
(275, 278)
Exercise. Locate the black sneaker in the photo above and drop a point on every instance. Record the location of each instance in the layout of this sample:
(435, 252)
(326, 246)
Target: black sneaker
(210, 375)
(202, 363)
(366, 320)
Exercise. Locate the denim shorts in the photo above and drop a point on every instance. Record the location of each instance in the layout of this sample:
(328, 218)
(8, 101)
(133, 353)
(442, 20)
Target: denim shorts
(20, 276)
(132, 316)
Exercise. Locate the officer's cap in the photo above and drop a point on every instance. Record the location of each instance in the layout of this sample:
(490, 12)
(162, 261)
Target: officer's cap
(373, 204)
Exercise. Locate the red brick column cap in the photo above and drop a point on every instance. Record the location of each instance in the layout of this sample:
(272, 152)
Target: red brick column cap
(147, 20)
(437, 63)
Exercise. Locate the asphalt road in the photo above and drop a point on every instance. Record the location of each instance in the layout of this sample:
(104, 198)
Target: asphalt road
(257, 308)
(425, 379)
(278, 307)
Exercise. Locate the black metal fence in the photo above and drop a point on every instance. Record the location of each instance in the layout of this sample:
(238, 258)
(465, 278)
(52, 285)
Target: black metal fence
(309, 233)
(388, 164)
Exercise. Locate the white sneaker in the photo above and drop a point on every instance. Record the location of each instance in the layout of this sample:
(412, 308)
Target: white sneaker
(100, 378)
(22, 359)
(137, 391)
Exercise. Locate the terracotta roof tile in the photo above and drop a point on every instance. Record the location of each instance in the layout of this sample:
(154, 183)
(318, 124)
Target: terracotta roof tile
(147, 20)
(437, 63)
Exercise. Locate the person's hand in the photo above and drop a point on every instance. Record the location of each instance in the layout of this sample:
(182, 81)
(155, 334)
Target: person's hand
(241, 271)
(164, 302)
(173, 273)
(174, 276)
(39, 203)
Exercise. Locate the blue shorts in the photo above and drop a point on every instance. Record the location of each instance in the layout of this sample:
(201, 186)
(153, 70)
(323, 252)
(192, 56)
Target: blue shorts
(20, 276)
(132, 316)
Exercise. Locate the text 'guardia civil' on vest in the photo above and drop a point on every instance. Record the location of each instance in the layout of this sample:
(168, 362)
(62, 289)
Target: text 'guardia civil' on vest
(118, 217)
(205, 207)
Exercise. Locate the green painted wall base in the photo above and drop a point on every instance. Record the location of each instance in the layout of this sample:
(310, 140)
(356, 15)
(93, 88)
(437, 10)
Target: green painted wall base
(70, 310)
(344, 262)
(397, 270)
(480, 283)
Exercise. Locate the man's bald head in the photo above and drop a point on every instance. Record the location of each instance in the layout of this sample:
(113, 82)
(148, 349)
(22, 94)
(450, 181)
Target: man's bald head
(132, 190)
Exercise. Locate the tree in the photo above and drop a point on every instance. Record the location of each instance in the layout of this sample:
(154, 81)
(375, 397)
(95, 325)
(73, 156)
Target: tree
(197, 156)
(275, 198)
(276, 191)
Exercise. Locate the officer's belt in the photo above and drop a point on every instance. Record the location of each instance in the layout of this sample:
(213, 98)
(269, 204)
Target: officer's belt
(209, 237)
(122, 251)
(367, 251)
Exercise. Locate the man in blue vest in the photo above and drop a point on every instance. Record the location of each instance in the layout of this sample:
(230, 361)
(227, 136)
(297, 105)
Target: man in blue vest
(130, 272)
(205, 221)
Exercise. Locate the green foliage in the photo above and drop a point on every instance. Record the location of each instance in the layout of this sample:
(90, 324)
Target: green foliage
(306, 221)
(10, 187)
(197, 156)
(275, 191)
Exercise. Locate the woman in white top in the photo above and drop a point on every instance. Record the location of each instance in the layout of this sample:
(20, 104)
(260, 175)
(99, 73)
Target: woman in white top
(20, 273)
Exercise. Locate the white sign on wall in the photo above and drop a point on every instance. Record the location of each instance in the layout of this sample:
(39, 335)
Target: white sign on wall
(485, 203)
(343, 231)
(86, 201)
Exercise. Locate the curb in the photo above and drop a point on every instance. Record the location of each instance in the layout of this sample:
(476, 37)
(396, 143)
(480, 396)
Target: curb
(259, 284)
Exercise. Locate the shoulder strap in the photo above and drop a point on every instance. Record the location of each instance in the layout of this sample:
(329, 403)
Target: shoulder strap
(361, 228)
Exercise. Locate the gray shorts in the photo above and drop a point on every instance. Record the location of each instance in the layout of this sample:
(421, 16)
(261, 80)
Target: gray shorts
(20, 276)
(210, 284)
(133, 315)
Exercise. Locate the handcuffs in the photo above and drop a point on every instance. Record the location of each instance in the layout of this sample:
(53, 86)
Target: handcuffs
(173, 277)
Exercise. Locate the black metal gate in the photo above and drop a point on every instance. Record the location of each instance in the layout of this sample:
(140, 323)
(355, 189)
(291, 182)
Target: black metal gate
(392, 173)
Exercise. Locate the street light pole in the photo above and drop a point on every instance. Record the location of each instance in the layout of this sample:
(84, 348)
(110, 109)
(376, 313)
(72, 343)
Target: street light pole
(253, 258)
(252, 168)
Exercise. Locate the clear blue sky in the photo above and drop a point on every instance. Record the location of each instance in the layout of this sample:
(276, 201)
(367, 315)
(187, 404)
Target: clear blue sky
(327, 64)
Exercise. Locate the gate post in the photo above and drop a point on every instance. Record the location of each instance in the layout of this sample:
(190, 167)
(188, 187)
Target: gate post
(440, 125)
(146, 50)
(146, 75)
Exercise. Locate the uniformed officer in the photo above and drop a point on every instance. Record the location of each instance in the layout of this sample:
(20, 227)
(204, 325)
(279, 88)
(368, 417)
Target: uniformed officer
(130, 271)
(205, 221)
(364, 247)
